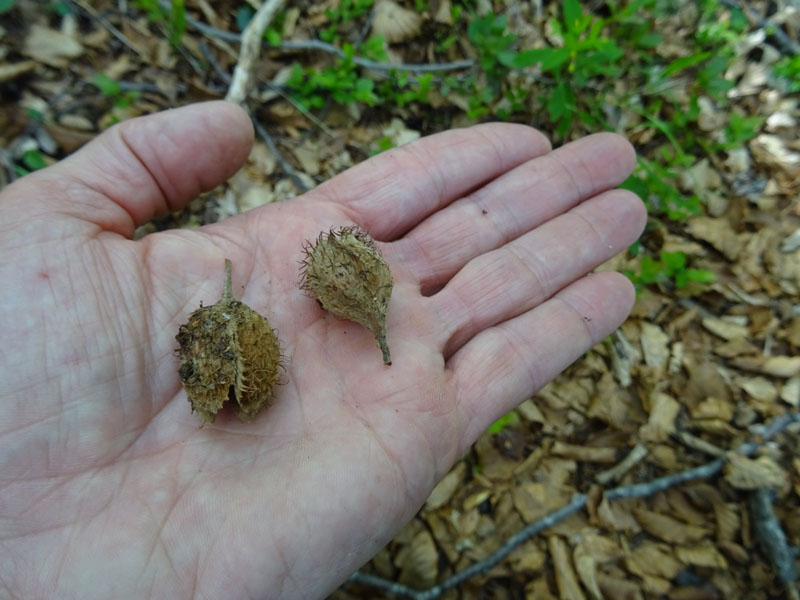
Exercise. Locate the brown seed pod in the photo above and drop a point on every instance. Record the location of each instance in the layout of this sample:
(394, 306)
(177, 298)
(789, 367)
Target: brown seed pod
(348, 276)
(228, 351)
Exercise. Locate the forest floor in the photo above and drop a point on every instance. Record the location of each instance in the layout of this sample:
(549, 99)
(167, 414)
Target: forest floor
(646, 437)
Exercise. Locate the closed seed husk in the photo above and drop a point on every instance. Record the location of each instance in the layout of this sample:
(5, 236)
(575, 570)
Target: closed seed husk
(228, 351)
(345, 272)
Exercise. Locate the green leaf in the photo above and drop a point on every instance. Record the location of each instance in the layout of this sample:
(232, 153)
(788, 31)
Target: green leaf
(701, 275)
(34, 160)
(107, 86)
(511, 418)
(674, 261)
(679, 64)
(6, 5)
(573, 14)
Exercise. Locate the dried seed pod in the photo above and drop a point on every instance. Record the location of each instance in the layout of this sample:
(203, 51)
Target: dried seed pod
(348, 276)
(228, 351)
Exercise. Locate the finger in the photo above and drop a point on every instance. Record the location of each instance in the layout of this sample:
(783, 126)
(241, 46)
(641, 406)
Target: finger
(513, 279)
(395, 190)
(145, 166)
(505, 364)
(513, 204)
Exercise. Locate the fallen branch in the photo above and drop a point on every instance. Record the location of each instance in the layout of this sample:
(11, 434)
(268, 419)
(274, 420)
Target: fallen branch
(251, 46)
(578, 502)
(282, 162)
(773, 542)
(108, 25)
(321, 46)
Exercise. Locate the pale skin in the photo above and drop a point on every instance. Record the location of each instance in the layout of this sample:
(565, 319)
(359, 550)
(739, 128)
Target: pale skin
(111, 487)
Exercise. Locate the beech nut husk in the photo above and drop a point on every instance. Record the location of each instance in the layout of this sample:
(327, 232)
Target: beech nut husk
(228, 352)
(346, 273)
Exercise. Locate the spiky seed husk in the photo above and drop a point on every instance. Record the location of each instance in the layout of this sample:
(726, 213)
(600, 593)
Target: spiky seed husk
(345, 272)
(228, 351)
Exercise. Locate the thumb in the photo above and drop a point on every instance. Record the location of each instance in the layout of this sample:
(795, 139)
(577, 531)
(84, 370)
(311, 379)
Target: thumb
(139, 168)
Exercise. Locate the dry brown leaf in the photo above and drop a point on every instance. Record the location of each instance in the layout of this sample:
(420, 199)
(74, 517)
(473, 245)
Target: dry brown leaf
(704, 381)
(725, 329)
(445, 489)
(533, 500)
(701, 177)
(443, 14)
(663, 411)
(613, 405)
(617, 516)
(652, 558)
(760, 389)
(728, 521)
(586, 567)
(790, 392)
(538, 589)
(655, 345)
(657, 586)
(668, 529)
(527, 557)
(420, 564)
(777, 366)
(602, 548)
(619, 588)
(394, 22)
(13, 70)
(745, 473)
(717, 232)
(704, 554)
(51, 47)
(567, 581)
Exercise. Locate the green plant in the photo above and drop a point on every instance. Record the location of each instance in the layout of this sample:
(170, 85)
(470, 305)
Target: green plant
(346, 11)
(32, 160)
(6, 5)
(788, 69)
(507, 420)
(172, 19)
(671, 269)
(341, 81)
(272, 34)
(111, 88)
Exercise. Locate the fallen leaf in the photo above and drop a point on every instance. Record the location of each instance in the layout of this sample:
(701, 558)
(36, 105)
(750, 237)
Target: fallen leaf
(51, 47)
(745, 473)
(668, 529)
(567, 581)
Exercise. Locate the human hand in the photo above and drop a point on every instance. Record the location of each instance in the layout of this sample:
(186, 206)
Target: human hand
(110, 487)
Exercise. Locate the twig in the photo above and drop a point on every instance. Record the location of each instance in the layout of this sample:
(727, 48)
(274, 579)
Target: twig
(634, 457)
(287, 168)
(321, 46)
(248, 53)
(577, 503)
(212, 60)
(769, 533)
(107, 24)
(696, 443)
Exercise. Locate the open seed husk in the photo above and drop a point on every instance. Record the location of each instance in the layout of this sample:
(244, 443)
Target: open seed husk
(228, 352)
(346, 273)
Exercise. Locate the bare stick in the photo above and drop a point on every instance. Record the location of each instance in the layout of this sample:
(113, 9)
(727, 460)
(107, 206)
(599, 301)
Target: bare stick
(230, 36)
(771, 536)
(107, 24)
(287, 168)
(634, 457)
(251, 46)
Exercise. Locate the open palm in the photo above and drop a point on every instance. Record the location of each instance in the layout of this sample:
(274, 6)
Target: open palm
(110, 487)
